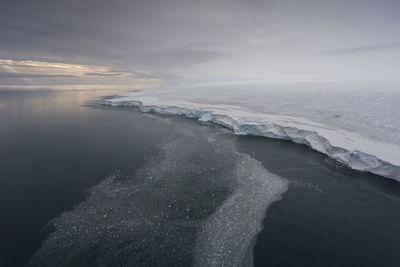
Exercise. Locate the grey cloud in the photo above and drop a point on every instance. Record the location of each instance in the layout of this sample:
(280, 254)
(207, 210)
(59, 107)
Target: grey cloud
(209, 39)
(121, 31)
(30, 75)
(118, 73)
(103, 74)
(365, 48)
(180, 56)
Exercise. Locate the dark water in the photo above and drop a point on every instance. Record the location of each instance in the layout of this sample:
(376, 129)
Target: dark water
(330, 216)
(53, 148)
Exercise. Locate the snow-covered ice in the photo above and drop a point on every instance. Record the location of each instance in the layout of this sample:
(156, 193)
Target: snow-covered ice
(355, 124)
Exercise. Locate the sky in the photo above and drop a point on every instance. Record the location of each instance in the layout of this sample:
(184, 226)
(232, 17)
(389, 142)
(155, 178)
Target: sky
(149, 43)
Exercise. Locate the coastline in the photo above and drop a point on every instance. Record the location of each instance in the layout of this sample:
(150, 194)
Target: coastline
(350, 149)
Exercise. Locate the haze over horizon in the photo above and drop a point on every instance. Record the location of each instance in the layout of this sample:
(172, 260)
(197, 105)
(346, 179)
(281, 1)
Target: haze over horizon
(139, 44)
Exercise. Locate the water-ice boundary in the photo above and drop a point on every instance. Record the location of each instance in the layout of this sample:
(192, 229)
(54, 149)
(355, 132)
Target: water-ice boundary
(348, 148)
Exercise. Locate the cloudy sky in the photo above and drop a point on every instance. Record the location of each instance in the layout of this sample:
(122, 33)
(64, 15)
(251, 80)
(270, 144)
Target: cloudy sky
(151, 43)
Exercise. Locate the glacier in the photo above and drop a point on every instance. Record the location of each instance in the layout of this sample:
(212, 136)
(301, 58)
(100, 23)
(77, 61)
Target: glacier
(358, 126)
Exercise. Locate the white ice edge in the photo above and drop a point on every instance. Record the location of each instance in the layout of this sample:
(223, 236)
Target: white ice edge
(349, 148)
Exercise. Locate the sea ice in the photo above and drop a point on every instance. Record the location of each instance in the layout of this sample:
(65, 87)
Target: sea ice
(184, 207)
(355, 124)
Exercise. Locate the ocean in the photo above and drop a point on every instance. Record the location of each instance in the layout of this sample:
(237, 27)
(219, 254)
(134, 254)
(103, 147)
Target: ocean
(83, 184)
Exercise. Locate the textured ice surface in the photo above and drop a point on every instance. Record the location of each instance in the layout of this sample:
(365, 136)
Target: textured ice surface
(199, 202)
(358, 125)
(227, 235)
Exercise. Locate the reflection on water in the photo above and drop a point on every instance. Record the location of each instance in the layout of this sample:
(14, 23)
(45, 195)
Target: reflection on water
(53, 147)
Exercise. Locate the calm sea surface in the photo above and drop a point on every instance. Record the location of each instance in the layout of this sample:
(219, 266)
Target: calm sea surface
(85, 185)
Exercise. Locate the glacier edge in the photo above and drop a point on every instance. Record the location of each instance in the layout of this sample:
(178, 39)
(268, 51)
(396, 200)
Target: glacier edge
(324, 140)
